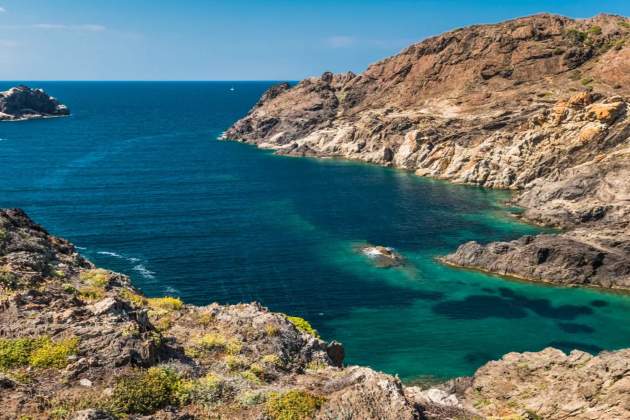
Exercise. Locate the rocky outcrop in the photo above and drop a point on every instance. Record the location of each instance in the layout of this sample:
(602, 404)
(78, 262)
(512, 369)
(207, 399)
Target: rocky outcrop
(23, 103)
(382, 256)
(538, 105)
(80, 342)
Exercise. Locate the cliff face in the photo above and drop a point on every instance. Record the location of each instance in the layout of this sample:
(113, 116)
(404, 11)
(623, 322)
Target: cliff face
(78, 342)
(537, 105)
(24, 103)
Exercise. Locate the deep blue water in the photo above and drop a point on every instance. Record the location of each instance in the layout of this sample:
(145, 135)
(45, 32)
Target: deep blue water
(137, 179)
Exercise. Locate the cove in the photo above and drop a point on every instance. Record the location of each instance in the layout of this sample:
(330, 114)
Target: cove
(136, 179)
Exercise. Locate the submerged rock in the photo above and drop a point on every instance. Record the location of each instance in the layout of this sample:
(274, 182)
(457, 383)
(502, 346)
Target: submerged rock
(382, 256)
(23, 103)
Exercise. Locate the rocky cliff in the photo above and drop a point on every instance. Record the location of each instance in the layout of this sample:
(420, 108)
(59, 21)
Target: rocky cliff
(79, 342)
(23, 103)
(538, 105)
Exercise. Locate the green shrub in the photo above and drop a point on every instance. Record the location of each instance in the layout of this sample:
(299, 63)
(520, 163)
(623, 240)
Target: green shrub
(3, 234)
(251, 398)
(92, 293)
(292, 405)
(54, 354)
(594, 30)
(235, 362)
(16, 352)
(303, 325)
(96, 277)
(166, 303)
(586, 81)
(575, 36)
(41, 352)
(146, 391)
(8, 280)
(271, 359)
(210, 390)
(135, 298)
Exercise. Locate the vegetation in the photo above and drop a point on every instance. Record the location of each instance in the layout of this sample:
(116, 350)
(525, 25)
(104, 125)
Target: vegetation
(92, 293)
(586, 81)
(292, 405)
(271, 359)
(8, 280)
(146, 391)
(209, 390)
(576, 36)
(166, 303)
(41, 352)
(135, 298)
(594, 30)
(271, 330)
(303, 325)
(96, 277)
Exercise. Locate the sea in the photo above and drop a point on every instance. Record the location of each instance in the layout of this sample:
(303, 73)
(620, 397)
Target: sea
(137, 179)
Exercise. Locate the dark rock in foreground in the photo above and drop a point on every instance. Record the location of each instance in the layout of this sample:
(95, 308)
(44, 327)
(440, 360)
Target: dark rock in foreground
(23, 103)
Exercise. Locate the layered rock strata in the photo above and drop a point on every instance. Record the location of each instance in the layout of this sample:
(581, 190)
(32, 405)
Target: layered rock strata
(538, 105)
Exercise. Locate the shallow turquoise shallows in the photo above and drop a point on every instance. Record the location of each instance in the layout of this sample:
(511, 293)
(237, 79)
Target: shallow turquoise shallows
(137, 179)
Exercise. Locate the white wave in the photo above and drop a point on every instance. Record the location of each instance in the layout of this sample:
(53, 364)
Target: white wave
(117, 255)
(172, 290)
(82, 248)
(144, 272)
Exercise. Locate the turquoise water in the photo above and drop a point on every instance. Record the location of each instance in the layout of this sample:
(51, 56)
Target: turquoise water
(137, 179)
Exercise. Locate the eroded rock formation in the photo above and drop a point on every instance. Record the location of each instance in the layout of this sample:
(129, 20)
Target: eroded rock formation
(538, 105)
(23, 103)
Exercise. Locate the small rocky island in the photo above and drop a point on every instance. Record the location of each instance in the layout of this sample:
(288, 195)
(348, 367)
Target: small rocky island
(80, 342)
(382, 256)
(23, 103)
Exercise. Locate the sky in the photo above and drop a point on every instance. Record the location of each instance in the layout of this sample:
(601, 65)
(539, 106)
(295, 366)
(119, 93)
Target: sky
(235, 39)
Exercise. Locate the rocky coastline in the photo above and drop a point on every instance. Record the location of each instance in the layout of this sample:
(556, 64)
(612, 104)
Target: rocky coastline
(538, 105)
(80, 342)
(22, 103)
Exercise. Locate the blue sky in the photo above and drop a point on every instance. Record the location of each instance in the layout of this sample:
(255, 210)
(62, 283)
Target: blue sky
(234, 39)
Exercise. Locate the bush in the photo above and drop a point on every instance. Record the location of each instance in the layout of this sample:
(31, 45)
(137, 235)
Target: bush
(586, 81)
(41, 352)
(594, 30)
(146, 391)
(54, 355)
(167, 303)
(303, 325)
(135, 298)
(292, 405)
(575, 36)
(210, 390)
(96, 277)
(271, 359)
(235, 362)
(92, 293)
(8, 280)
(271, 330)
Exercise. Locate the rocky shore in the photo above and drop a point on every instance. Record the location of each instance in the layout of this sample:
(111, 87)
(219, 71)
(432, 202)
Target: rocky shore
(23, 103)
(538, 105)
(80, 342)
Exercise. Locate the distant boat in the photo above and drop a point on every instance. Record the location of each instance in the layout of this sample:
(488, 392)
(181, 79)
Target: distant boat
(232, 89)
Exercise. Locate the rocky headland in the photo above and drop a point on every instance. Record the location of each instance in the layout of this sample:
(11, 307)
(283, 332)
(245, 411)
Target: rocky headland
(80, 342)
(538, 105)
(23, 103)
